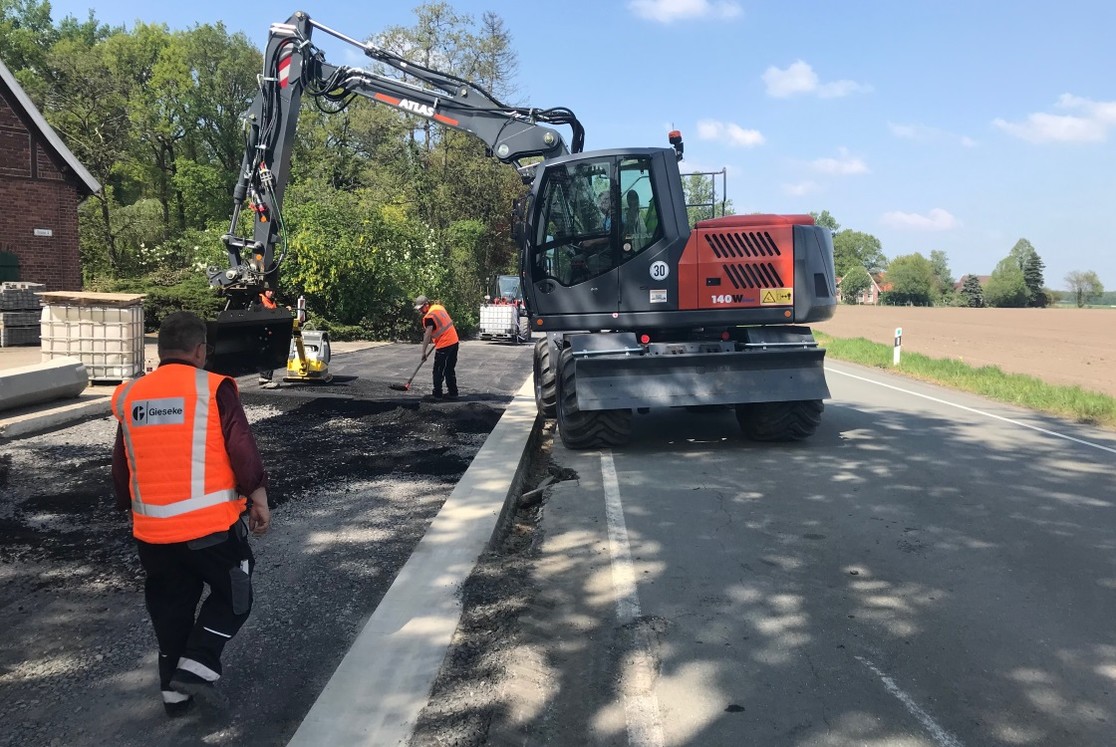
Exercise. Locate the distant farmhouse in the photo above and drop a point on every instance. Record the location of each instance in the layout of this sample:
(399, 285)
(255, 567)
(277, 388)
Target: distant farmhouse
(870, 296)
(982, 279)
(41, 185)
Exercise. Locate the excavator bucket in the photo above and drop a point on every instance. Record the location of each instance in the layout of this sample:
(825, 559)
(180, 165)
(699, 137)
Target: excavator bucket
(248, 341)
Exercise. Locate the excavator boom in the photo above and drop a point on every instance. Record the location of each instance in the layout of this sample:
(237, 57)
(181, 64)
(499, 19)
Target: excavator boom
(245, 337)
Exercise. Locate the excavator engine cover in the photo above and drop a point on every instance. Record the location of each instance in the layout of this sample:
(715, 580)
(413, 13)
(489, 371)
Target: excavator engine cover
(248, 341)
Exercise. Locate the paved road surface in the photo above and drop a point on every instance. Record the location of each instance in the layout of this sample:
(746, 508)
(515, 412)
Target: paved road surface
(931, 569)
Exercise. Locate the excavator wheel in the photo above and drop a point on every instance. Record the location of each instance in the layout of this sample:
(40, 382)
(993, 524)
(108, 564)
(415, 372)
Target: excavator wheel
(546, 385)
(586, 430)
(780, 421)
(523, 334)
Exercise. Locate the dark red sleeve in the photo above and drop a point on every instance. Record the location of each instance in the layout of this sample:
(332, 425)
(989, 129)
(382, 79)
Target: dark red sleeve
(121, 475)
(239, 441)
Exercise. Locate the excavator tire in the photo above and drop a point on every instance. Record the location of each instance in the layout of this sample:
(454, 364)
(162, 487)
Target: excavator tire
(780, 421)
(523, 331)
(586, 430)
(546, 385)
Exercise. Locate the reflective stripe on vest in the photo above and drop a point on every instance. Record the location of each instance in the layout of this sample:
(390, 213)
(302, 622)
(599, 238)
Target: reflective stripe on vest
(444, 333)
(198, 435)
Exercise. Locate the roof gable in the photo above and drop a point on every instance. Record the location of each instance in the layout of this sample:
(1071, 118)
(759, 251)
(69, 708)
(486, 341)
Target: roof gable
(19, 100)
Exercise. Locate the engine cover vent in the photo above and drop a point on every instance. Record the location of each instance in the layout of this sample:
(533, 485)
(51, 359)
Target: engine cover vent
(753, 275)
(737, 244)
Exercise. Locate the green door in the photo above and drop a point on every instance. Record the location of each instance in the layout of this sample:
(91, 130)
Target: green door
(9, 267)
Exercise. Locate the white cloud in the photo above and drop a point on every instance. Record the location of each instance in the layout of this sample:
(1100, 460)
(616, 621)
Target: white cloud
(668, 11)
(936, 220)
(800, 189)
(1088, 122)
(800, 78)
(925, 134)
(729, 133)
(844, 165)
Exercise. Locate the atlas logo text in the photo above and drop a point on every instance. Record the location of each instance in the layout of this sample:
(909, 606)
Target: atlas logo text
(417, 108)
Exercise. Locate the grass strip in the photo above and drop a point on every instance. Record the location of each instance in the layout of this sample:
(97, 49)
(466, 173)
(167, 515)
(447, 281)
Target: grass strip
(1073, 402)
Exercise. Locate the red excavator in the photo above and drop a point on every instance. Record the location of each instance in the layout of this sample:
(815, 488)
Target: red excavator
(635, 308)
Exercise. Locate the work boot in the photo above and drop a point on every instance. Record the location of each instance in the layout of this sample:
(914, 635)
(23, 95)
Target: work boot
(177, 704)
(431, 398)
(198, 688)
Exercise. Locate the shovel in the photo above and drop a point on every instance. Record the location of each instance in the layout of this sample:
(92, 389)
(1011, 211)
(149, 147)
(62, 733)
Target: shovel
(407, 386)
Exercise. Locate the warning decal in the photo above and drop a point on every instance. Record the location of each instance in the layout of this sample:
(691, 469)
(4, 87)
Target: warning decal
(777, 296)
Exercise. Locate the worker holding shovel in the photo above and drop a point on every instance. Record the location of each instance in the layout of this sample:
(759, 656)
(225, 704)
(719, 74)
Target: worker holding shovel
(438, 329)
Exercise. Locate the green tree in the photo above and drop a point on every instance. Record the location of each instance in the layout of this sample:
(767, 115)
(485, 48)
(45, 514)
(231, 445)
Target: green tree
(355, 261)
(972, 292)
(88, 106)
(939, 262)
(1033, 279)
(1032, 267)
(223, 68)
(1006, 287)
(825, 220)
(151, 78)
(1084, 286)
(853, 284)
(26, 35)
(853, 249)
(912, 281)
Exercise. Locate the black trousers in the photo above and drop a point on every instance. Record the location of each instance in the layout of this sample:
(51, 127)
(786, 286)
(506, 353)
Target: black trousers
(177, 575)
(445, 367)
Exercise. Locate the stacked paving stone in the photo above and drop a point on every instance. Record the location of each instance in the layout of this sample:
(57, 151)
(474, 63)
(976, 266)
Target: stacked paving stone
(20, 311)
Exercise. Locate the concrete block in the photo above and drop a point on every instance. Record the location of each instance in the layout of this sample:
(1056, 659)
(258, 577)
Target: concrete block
(60, 378)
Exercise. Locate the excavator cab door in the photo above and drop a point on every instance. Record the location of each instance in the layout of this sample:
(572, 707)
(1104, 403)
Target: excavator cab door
(572, 254)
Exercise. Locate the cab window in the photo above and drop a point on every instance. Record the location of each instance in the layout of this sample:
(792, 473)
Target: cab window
(574, 233)
(638, 207)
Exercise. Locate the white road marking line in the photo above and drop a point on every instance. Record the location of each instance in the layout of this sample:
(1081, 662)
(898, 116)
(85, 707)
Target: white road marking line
(641, 709)
(937, 733)
(974, 410)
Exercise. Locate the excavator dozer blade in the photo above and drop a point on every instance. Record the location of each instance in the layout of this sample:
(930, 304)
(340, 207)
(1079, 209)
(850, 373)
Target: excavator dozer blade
(248, 341)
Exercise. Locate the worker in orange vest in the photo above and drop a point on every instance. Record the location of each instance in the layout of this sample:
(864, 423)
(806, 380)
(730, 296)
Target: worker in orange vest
(267, 301)
(183, 461)
(438, 329)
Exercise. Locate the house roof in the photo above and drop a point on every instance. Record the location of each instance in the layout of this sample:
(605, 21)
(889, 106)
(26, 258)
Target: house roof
(982, 279)
(22, 100)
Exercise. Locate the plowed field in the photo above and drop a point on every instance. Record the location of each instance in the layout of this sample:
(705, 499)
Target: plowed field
(1069, 347)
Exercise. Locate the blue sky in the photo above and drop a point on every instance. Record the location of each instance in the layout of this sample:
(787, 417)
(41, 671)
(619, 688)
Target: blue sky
(957, 126)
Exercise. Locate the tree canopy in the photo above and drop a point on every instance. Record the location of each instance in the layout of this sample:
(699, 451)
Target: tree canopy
(1085, 287)
(380, 206)
(853, 249)
(912, 281)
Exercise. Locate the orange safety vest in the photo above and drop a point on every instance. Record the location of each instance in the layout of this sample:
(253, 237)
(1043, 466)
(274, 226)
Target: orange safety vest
(182, 482)
(445, 334)
(267, 302)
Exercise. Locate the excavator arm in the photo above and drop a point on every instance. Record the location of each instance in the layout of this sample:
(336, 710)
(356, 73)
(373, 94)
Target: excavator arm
(244, 337)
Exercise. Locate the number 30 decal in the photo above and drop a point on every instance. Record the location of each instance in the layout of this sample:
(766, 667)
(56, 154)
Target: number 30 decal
(659, 270)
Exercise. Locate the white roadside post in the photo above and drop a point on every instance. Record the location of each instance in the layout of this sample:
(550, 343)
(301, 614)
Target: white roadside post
(898, 346)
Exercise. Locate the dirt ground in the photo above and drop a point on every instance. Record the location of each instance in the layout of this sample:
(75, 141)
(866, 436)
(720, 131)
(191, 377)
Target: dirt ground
(1069, 347)
(358, 471)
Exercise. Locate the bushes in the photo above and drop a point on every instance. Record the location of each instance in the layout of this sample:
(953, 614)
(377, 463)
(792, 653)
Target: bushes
(166, 291)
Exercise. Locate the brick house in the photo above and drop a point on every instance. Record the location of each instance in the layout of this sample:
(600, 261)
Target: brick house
(41, 185)
(870, 296)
